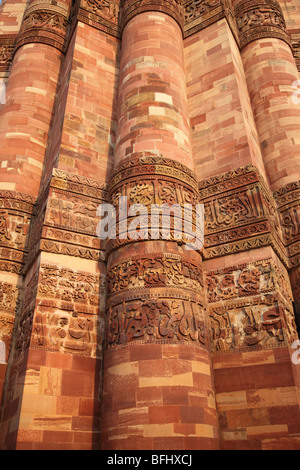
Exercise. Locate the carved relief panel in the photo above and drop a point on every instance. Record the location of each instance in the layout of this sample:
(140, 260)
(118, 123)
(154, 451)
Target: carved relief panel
(250, 307)
(154, 182)
(258, 323)
(157, 317)
(240, 214)
(288, 203)
(159, 270)
(16, 211)
(101, 14)
(259, 20)
(7, 44)
(67, 218)
(45, 23)
(69, 310)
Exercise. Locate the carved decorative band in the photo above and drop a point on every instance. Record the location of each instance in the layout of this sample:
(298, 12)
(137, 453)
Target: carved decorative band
(260, 19)
(240, 214)
(101, 14)
(131, 8)
(199, 14)
(288, 203)
(255, 323)
(44, 23)
(16, 212)
(7, 45)
(152, 165)
(155, 270)
(161, 317)
(155, 183)
(295, 41)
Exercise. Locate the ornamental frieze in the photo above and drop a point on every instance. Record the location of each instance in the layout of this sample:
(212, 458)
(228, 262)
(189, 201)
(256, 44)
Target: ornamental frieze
(257, 20)
(260, 277)
(240, 214)
(164, 188)
(255, 323)
(130, 8)
(288, 205)
(68, 310)
(295, 42)
(67, 332)
(68, 289)
(157, 270)
(16, 212)
(7, 45)
(157, 318)
(201, 13)
(66, 217)
(44, 23)
(101, 14)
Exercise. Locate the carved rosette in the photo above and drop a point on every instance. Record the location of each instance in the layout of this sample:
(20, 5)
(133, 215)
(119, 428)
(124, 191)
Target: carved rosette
(44, 23)
(260, 19)
(154, 182)
(130, 8)
(240, 214)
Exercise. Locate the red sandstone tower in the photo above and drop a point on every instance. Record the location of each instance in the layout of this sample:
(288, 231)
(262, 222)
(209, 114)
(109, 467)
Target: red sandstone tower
(141, 343)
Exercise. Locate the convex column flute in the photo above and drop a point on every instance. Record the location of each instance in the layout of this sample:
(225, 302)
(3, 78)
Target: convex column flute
(157, 370)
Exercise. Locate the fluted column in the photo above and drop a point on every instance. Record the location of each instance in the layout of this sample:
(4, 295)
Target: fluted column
(158, 391)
